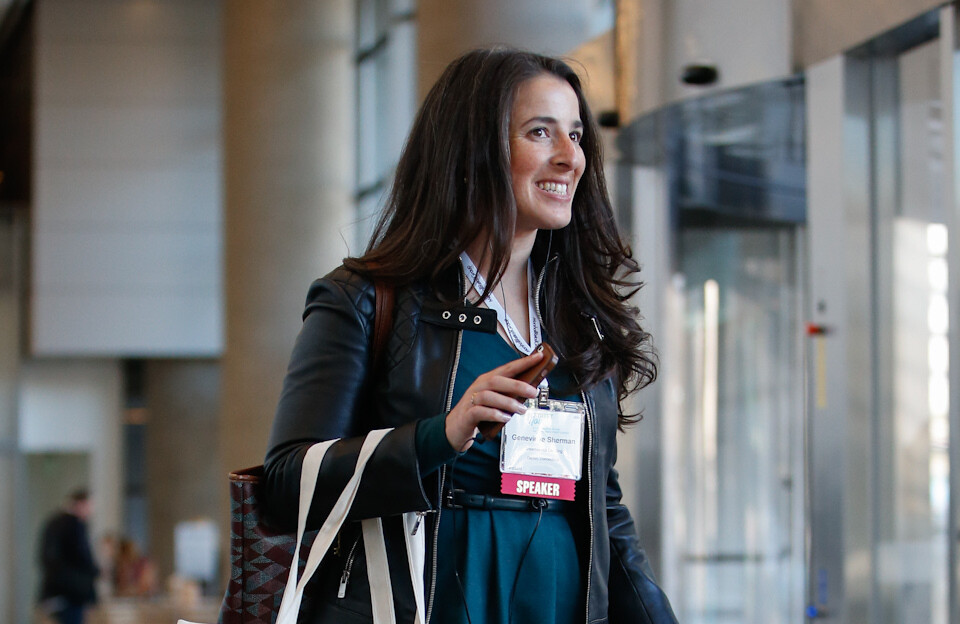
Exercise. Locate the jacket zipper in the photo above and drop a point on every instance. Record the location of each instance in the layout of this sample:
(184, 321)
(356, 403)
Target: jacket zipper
(591, 430)
(443, 469)
(436, 541)
(345, 577)
(536, 296)
(420, 516)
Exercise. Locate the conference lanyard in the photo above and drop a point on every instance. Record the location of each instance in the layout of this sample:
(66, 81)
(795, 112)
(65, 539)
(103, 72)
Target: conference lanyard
(480, 284)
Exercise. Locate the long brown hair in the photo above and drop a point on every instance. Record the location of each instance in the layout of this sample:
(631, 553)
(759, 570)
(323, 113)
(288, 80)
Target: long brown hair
(453, 185)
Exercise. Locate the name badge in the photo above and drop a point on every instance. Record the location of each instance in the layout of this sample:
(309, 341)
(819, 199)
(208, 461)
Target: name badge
(541, 450)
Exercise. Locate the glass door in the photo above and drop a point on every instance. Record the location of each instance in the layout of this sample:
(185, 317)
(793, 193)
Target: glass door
(735, 443)
(726, 233)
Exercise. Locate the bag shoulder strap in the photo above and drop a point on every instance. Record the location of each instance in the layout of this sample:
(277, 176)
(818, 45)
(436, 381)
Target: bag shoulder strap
(382, 320)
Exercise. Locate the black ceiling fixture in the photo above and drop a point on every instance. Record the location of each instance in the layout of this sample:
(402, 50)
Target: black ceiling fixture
(700, 74)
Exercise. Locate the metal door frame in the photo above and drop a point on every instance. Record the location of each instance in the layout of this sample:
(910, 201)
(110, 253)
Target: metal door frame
(842, 429)
(950, 86)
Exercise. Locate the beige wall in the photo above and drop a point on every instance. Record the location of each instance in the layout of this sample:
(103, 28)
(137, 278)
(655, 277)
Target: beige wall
(447, 28)
(126, 224)
(658, 38)
(747, 40)
(823, 28)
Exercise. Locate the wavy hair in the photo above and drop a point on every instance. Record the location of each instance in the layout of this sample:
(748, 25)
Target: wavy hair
(453, 185)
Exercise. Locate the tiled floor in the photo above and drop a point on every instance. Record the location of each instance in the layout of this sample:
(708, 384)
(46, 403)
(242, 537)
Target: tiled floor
(159, 611)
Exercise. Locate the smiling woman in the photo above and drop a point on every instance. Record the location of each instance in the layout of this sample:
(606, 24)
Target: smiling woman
(498, 236)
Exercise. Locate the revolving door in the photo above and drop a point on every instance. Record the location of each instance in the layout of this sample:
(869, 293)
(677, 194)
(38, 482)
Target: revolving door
(727, 322)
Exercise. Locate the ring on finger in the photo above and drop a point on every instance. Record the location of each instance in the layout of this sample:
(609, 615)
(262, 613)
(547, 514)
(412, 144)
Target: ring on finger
(473, 399)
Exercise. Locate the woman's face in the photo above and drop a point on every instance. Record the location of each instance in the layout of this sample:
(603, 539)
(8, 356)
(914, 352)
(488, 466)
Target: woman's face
(546, 160)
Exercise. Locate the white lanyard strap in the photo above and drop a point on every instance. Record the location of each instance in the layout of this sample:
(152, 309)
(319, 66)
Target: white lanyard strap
(480, 284)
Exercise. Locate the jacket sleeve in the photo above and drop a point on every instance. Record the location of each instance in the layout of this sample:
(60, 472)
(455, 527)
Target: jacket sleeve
(634, 594)
(327, 395)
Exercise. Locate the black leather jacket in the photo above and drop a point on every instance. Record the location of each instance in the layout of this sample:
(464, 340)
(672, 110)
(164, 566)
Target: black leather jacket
(329, 393)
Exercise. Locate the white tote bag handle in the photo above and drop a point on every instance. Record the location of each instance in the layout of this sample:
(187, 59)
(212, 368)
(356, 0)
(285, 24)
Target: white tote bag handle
(380, 587)
(416, 557)
(293, 594)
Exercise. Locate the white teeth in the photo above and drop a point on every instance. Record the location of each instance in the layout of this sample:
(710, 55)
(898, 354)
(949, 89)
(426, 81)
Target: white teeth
(553, 187)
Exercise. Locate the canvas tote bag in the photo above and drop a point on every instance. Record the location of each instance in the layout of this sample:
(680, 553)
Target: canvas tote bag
(381, 593)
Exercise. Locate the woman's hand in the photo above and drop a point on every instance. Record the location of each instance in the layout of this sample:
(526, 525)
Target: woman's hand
(490, 398)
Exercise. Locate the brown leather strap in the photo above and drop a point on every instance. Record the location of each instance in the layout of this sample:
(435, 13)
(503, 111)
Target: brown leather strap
(382, 321)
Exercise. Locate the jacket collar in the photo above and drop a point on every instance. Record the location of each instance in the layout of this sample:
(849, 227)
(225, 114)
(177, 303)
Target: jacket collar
(449, 286)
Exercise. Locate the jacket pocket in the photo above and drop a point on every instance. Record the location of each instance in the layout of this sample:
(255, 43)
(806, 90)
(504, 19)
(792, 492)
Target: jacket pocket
(340, 592)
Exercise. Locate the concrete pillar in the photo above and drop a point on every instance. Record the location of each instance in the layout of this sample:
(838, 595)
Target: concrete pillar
(11, 591)
(640, 53)
(184, 475)
(289, 177)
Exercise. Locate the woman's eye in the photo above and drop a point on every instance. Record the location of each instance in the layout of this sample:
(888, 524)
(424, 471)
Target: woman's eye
(539, 133)
(576, 136)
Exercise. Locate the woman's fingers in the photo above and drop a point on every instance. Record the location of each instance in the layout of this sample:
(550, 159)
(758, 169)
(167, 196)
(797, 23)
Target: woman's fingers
(494, 396)
(488, 414)
(473, 409)
(510, 387)
(497, 400)
(515, 367)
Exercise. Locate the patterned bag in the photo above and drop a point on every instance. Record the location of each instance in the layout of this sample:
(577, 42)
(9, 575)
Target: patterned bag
(265, 588)
(258, 556)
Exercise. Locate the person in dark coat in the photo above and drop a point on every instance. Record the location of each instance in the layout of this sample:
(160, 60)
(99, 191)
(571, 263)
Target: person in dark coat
(68, 566)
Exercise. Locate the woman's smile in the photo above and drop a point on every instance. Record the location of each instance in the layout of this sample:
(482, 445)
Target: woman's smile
(554, 188)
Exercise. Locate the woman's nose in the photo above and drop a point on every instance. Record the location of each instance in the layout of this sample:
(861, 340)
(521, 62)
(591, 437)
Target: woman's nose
(566, 152)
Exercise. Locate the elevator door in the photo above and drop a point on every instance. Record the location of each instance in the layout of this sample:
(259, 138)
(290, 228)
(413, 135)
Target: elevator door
(883, 267)
(911, 388)
(734, 438)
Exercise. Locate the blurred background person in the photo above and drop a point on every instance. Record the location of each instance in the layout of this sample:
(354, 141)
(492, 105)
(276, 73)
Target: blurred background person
(66, 559)
(134, 575)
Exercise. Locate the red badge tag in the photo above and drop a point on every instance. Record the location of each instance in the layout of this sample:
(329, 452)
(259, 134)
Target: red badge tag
(537, 487)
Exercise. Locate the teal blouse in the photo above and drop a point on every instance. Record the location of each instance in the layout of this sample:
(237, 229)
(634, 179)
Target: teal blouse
(485, 547)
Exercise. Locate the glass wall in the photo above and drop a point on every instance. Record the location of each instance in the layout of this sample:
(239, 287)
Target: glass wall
(386, 101)
(837, 510)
